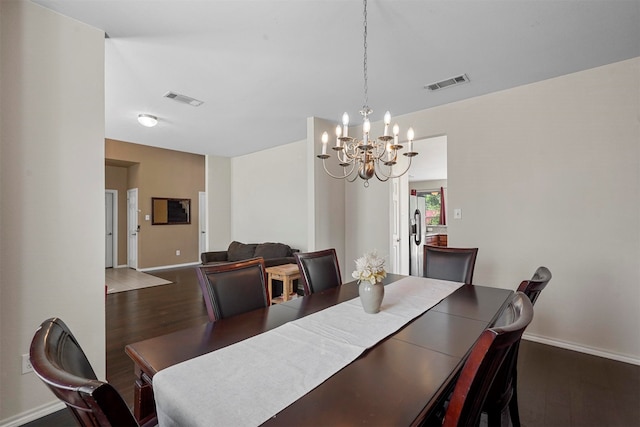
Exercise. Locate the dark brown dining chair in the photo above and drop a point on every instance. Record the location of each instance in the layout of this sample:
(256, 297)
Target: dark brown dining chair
(319, 270)
(59, 361)
(234, 288)
(484, 362)
(446, 263)
(504, 391)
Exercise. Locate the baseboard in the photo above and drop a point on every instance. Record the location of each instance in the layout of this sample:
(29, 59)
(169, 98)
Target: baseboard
(582, 349)
(33, 414)
(166, 267)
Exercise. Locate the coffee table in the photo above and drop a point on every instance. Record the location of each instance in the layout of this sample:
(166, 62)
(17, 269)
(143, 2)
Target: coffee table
(287, 273)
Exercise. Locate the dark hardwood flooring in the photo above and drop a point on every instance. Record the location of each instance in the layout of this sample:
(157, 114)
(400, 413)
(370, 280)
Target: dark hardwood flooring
(557, 387)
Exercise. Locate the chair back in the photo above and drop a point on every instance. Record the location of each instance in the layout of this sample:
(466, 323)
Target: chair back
(503, 392)
(320, 270)
(234, 288)
(532, 288)
(484, 361)
(454, 264)
(60, 362)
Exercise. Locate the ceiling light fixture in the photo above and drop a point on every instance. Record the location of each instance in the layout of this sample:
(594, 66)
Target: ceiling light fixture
(367, 156)
(147, 120)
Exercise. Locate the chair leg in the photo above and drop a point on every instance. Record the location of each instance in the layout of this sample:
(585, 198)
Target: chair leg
(513, 403)
(513, 409)
(494, 418)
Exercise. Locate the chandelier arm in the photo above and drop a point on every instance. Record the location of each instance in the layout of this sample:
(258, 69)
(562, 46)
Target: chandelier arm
(380, 151)
(353, 179)
(336, 176)
(378, 176)
(395, 176)
(348, 158)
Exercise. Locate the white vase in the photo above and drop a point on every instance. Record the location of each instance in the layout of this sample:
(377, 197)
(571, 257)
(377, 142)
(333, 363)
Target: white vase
(371, 296)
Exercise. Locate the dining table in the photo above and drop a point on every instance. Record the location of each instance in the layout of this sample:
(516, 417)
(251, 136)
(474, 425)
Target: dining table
(402, 379)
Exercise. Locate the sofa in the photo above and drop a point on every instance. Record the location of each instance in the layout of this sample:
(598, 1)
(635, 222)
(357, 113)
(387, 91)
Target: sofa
(272, 253)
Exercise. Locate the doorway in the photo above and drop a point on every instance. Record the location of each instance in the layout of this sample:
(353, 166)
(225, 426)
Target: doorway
(110, 228)
(202, 222)
(428, 169)
(132, 228)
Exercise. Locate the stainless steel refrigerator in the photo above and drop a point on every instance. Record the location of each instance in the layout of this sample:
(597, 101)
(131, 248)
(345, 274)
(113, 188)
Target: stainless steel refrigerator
(416, 234)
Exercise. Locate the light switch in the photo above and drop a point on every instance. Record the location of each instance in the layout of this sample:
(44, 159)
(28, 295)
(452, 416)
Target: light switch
(146, 218)
(457, 213)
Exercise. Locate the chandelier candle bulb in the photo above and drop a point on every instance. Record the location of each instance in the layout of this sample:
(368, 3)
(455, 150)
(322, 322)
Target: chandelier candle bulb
(366, 127)
(338, 135)
(345, 124)
(325, 139)
(387, 122)
(410, 136)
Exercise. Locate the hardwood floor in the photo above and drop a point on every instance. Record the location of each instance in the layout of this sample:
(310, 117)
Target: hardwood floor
(557, 387)
(145, 313)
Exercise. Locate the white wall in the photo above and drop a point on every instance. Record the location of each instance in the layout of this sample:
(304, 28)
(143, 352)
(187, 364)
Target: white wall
(218, 202)
(326, 197)
(51, 193)
(366, 220)
(269, 196)
(547, 174)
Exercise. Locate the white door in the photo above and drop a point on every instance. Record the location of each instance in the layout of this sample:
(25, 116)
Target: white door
(394, 257)
(202, 222)
(403, 224)
(132, 228)
(108, 229)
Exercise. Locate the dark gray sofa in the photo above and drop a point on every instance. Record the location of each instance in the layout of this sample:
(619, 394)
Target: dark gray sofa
(273, 254)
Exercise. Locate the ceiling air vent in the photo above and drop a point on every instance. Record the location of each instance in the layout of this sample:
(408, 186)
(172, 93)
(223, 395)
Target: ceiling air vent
(448, 82)
(183, 99)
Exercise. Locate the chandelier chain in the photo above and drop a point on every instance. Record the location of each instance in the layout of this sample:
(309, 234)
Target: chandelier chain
(370, 156)
(366, 86)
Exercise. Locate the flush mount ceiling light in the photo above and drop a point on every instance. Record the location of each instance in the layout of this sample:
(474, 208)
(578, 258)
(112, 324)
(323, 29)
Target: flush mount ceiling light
(367, 157)
(147, 120)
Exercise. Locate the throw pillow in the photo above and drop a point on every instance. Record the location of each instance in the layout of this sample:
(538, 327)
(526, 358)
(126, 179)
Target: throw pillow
(272, 250)
(240, 251)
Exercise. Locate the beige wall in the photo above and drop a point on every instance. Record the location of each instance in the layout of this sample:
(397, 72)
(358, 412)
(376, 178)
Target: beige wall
(116, 179)
(219, 203)
(325, 197)
(546, 174)
(162, 173)
(268, 197)
(51, 193)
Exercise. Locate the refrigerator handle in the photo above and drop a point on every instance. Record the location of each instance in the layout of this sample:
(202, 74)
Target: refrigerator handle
(417, 217)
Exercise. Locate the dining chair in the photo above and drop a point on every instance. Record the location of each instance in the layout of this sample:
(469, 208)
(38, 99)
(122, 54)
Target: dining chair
(234, 288)
(504, 391)
(59, 361)
(319, 270)
(446, 263)
(484, 362)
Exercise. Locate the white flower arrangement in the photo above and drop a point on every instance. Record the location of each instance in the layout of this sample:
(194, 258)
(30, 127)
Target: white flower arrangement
(370, 268)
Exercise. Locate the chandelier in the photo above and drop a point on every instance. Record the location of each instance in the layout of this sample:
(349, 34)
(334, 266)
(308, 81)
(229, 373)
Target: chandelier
(367, 157)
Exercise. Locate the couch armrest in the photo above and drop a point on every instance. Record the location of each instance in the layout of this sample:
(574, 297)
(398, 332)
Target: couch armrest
(216, 256)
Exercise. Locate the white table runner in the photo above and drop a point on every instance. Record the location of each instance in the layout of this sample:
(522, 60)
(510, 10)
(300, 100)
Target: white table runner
(247, 383)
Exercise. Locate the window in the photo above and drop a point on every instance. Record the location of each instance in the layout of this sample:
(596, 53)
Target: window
(432, 206)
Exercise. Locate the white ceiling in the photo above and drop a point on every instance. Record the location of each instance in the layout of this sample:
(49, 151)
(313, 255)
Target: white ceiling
(263, 67)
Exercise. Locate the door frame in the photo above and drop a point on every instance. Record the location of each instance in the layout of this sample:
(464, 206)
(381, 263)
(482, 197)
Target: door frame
(132, 228)
(114, 225)
(203, 240)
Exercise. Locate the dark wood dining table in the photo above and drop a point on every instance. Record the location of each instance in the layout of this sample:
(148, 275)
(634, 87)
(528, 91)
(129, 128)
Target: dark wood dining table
(403, 380)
